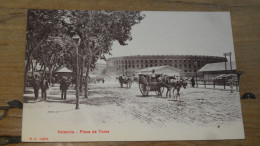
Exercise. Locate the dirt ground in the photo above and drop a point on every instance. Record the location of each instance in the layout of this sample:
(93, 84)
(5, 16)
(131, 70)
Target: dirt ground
(197, 105)
(109, 105)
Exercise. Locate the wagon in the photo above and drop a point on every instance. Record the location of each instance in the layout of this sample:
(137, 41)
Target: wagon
(125, 80)
(146, 85)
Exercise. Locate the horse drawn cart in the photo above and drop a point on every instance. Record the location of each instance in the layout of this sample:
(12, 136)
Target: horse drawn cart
(146, 84)
(125, 80)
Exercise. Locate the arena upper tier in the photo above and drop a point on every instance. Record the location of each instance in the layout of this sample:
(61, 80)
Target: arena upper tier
(186, 63)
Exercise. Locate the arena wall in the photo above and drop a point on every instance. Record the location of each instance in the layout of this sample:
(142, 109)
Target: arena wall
(188, 64)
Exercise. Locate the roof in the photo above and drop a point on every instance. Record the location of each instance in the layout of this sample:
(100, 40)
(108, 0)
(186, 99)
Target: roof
(161, 70)
(64, 69)
(162, 56)
(211, 67)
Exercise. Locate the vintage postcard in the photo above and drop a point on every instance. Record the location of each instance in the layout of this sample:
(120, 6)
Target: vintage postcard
(130, 76)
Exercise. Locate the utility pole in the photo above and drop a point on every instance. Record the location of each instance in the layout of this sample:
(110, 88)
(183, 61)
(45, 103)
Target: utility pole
(196, 69)
(228, 54)
(230, 62)
(126, 67)
(225, 62)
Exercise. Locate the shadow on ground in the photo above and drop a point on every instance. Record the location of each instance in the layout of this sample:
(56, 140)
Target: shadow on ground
(100, 99)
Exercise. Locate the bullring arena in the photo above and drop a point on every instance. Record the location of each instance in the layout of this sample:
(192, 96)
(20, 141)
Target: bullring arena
(188, 64)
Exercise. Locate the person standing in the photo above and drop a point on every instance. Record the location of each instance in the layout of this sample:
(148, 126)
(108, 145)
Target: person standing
(192, 82)
(231, 82)
(153, 75)
(44, 87)
(36, 85)
(124, 77)
(63, 87)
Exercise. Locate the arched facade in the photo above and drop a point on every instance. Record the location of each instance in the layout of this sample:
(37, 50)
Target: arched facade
(186, 63)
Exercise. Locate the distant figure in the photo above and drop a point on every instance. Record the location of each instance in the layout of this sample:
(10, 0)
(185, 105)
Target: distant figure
(36, 85)
(44, 86)
(73, 81)
(153, 75)
(103, 80)
(124, 77)
(64, 87)
(231, 82)
(192, 82)
(53, 81)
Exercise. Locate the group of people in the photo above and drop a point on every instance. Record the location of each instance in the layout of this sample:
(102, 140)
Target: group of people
(42, 83)
(38, 84)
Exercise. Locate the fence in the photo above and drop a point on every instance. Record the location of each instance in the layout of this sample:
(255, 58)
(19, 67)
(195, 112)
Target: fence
(216, 84)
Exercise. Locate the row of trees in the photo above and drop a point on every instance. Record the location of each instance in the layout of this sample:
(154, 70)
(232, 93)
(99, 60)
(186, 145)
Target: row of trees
(50, 36)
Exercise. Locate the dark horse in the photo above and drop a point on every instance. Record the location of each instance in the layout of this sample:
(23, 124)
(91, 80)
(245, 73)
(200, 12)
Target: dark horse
(125, 80)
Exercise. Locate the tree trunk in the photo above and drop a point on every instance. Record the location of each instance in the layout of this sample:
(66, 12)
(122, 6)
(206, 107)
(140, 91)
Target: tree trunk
(27, 67)
(32, 68)
(80, 78)
(87, 78)
(50, 75)
(82, 72)
(77, 80)
(44, 72)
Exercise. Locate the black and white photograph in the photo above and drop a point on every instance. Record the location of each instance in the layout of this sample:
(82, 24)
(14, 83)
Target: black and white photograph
(130, 76)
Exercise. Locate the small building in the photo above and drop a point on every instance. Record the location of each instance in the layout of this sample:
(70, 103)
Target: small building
(212, 70)
(166, 70)
(63, 72)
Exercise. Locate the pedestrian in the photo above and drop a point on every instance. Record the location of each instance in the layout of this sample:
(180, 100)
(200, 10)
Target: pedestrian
(44, 86)
(231, 83)
(52, 81)
(192, 82)
(63, 87)
(153, 75)
(124, 77)
(36, 85)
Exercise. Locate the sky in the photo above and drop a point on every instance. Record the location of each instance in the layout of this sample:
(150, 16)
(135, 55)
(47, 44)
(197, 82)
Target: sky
(179, 33)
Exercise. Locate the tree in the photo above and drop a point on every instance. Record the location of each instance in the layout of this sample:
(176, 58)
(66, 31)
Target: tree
(40, 25)
(52, 53)
(98, 30)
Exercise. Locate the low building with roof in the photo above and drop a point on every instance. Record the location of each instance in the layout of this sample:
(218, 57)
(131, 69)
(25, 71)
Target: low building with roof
(63, 72)
(212, 70)
(166, 70)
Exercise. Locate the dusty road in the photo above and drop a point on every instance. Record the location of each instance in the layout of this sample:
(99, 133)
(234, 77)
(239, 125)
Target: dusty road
(124, 111)
(197, 105)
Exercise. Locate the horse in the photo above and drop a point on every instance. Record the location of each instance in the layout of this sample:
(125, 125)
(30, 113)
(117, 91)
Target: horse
(173, 83)
(180, 83)
(125, 80)
(165, 82)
